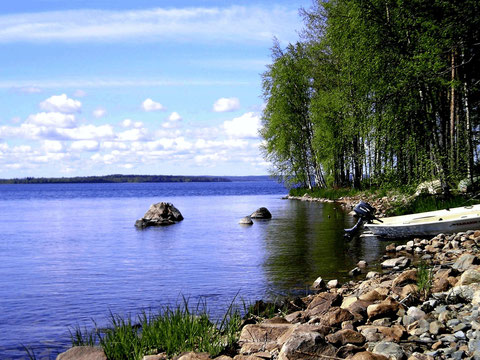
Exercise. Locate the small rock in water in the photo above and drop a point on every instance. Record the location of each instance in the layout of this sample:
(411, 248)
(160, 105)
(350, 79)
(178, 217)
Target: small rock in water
(319, 284)
(247, 220)
(159, 214)
(261, 213)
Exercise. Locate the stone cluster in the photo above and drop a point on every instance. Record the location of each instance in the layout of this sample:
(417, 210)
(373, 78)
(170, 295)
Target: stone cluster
(422, 305)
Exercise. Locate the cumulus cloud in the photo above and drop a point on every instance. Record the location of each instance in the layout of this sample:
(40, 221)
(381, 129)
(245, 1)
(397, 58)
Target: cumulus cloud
(132, 135)
(87, 132)
(150, 105)
(52, 119)
(174, 116)
(52, 146)
(61, 103)
(85, 145)
(99, 112)
(127, 123)
(226, 104)
(245, 126)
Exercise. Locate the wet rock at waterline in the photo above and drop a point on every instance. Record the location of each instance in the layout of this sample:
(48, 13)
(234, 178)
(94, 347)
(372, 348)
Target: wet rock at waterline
(247, 220)
(261, 213)
(160, 214)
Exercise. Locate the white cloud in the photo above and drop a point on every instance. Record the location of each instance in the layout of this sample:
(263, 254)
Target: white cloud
(238, 24)
(85, 145)
(87, 132)
(132, 135)
(150, 105)
(245, 126)
(61, 103)
(226, 104)
(52, 119)
(52, 146)
(174, 116)
(99, 112)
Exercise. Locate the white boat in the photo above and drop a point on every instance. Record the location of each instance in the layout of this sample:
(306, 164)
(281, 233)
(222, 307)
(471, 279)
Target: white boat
(427, 223)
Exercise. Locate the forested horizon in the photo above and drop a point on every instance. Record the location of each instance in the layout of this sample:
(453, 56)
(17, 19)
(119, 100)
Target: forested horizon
(378, 93)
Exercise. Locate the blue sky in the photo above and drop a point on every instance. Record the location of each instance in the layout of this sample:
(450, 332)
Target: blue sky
(95, 87)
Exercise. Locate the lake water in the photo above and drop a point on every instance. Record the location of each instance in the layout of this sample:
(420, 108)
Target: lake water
(70, 253)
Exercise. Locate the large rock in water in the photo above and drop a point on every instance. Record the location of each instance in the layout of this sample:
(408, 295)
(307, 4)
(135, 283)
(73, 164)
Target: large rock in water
(261, 213)
(159, 214)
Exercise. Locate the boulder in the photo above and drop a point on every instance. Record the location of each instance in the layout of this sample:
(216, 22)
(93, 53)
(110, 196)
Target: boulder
(247, 220)
(389, 349)
(429, 187)
(401, 262)
(470, 276)
(194, 356)
(465, 261)
(319, 284)
(322, 302)
(261, 337)
(304, 344)
(261, 213)
(346, 336)
(367, 355)
(387, 308)
(83, 353)
(407, 277)
(159, 214)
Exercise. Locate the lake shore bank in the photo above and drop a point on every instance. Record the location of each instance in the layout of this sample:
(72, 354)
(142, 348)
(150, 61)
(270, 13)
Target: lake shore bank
(424, 304)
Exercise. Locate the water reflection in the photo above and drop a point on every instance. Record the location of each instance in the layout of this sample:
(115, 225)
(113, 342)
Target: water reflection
(305, 240)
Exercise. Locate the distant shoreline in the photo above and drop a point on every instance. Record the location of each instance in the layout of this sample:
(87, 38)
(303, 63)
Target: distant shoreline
(118, 178)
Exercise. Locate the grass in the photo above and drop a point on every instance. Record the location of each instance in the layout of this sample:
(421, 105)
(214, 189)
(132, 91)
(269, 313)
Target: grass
(424, 203)
(171, 331)
(424, 279)
(328, 193)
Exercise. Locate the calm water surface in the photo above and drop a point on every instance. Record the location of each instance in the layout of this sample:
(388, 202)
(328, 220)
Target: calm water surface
(69, 253)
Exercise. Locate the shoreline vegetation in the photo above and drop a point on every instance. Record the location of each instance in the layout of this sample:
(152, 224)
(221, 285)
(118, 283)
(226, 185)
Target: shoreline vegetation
(115, 178)
(119, 178)
(422, 305)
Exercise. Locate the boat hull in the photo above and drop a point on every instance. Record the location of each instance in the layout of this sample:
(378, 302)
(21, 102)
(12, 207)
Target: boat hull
(430, 223)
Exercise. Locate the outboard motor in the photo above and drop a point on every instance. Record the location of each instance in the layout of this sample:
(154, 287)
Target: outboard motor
(365, 213)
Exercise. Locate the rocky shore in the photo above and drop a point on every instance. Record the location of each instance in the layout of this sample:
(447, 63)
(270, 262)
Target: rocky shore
(424, 304)
(382, 204)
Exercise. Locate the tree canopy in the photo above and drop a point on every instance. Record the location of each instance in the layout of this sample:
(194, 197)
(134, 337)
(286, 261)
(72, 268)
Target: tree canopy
(378, 92)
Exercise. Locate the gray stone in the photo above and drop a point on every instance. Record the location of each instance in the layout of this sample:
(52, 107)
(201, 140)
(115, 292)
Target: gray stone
(354, 272)
(247, 220)
(362, 264)
(319, 284)
(464, 262)
(453, 322)
(415, 313)
(401, 262)
(436, 327)
(83, 353)
(474, 345)
(333, 284)
(261, 213)
(470, 276)
(447, 338)
(458, 355)
(371, 274)
(460, 335)
(389, 349)
(305, 342)
(160, 214)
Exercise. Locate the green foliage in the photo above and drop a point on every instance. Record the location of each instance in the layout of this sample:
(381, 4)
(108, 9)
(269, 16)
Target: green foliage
(423, 203)
(171, 331)
(115, 179)
(327, 193)
(379, 94)
(424, 278)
